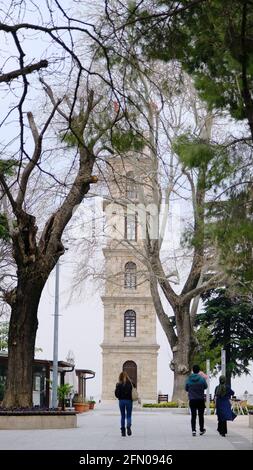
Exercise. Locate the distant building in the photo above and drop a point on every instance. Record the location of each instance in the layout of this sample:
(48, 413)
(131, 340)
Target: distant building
(42, 376)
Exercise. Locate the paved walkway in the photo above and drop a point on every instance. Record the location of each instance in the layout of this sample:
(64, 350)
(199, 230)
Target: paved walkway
(152, 430)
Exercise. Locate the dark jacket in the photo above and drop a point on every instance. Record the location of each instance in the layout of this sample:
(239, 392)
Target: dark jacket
(124, 391)
(223, 406)
(195, 386)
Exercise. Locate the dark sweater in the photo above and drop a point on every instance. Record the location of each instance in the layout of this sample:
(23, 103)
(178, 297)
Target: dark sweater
(123, 391)
(195, 386)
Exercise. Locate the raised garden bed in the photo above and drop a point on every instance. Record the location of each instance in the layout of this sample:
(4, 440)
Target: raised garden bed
(37, 419)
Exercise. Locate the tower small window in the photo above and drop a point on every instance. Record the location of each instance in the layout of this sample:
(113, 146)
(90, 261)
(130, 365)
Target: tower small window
(130, 323)
(130, 275)
(131, 227)
(131, 188)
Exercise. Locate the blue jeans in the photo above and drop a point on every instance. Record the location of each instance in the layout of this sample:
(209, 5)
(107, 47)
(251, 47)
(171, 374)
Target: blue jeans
(126, 406)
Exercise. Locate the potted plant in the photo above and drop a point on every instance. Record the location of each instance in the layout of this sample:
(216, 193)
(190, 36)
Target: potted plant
(80, 404)
(91, 403)
(63, 392)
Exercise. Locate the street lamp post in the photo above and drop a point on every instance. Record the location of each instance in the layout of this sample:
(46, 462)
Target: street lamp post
(223, 362)
(208, 387)
(56, 329)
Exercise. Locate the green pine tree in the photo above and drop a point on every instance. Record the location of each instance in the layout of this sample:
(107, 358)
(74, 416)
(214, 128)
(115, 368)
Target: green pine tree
(213, 40)
(229, 319)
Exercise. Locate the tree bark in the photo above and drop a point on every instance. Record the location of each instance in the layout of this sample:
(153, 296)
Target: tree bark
(21, 343)
(179, 392)
(183, 352)
(32, 272)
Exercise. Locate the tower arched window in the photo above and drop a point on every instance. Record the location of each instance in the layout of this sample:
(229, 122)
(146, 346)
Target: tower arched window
(130, 367)
(130, 275)
(131, 224)
(131, 188)
(130, 323)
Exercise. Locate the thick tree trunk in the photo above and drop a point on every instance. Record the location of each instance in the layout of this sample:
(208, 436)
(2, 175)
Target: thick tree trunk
(21, 343)
(182, 352)
(181, 366)
(179, 392)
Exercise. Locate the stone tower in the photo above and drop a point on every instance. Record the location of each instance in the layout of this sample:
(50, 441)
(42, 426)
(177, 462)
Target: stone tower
(129, 316)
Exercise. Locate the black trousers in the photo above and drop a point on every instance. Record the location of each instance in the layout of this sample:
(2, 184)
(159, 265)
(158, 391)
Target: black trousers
(197, 406)
(222, 427)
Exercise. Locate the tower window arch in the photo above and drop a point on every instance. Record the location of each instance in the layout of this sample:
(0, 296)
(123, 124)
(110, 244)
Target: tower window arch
(130, 367)
(130, 275)
(130, 323)
(131, 188)
(131, 224)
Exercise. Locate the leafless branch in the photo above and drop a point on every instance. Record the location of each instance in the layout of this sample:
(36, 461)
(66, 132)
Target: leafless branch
(7, 77)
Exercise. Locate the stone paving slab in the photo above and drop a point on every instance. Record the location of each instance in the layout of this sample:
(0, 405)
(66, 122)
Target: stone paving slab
(100, 430)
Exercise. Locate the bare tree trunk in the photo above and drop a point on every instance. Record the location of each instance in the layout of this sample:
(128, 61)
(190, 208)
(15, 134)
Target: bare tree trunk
(183, 351)
(32, 272)
(21, 343)
(179, 392)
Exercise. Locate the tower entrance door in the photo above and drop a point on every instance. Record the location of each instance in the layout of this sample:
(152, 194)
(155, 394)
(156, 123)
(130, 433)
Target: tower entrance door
(130, 368)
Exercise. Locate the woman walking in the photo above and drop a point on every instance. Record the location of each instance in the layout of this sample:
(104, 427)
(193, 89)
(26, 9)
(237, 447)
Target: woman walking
(123, 392)
(223, 393)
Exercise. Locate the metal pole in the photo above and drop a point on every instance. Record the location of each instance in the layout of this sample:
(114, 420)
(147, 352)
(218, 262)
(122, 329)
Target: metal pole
(223, 362)
(208, 387)
(56, 329)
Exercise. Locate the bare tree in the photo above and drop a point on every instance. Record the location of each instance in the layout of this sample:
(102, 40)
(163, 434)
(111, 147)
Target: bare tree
(46, 45)
(199, 260)
(162, 179)
(65, 159)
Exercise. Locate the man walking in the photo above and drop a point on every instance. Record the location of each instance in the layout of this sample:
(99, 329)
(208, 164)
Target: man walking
(195, 386)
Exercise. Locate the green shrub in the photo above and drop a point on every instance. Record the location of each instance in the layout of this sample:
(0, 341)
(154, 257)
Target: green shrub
(169, 404)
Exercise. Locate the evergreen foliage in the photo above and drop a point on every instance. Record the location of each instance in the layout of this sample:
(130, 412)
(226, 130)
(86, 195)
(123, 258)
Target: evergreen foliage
(214, 42)
(228, 318)
(206, 350)
(4, 331)
(232, 227)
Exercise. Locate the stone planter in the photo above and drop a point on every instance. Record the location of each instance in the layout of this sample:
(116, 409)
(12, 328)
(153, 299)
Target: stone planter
(37, 420)
(81, 407)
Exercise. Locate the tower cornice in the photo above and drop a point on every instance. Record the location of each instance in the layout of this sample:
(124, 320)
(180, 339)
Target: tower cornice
(130, 347)
(119, 251)
(110, 299)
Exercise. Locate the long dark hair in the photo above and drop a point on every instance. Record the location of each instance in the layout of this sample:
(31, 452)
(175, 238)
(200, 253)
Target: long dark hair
(123, 377)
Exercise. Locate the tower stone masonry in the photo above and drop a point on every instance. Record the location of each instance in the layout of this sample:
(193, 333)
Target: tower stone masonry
(129, 341)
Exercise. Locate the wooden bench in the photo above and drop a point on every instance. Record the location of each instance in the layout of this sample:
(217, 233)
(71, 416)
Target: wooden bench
(162, 398)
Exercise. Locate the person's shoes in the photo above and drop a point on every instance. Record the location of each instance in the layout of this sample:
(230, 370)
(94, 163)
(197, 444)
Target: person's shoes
(202, 432)
(194, 433)
(123, 432)
(223, 435)
(129, 432)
